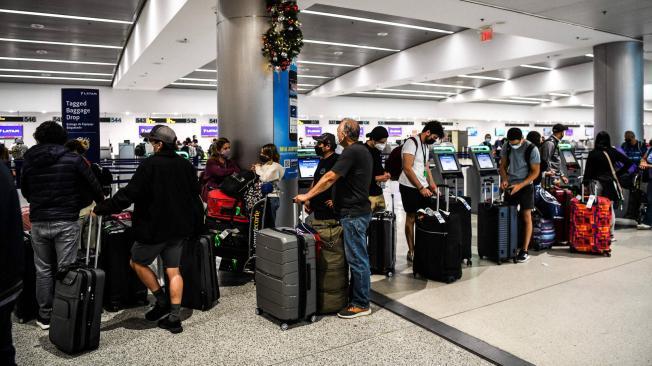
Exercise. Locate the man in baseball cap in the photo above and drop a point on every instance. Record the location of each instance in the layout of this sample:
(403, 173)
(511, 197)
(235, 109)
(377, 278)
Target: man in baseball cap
(167, 211)
(550, 155)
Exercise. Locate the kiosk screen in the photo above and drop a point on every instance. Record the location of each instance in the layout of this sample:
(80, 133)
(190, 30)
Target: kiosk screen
(569, 157)
(448, 163)
(485, 161)
(307, 167)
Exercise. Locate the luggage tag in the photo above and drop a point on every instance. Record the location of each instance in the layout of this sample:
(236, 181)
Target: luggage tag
(439, 217)
(466, 204)
(590, 202)
(224, 234)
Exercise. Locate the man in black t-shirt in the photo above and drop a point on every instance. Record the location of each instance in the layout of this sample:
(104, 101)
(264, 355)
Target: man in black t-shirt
(322, 204)
(351, 175)
(376, 143)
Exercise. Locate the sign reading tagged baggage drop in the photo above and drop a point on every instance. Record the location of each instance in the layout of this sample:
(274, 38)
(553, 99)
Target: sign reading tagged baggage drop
(80, 116)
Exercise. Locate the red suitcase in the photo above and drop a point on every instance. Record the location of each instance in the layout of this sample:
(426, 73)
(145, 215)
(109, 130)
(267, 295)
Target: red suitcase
(590, 229)
(562, 224)
(226, 208)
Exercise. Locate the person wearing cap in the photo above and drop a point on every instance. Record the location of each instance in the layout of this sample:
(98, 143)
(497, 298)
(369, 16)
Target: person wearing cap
(322, 204)
(519, 168)
(550, 155)
(376, 142)
(54, 182)
(18, 153)
(167, 211)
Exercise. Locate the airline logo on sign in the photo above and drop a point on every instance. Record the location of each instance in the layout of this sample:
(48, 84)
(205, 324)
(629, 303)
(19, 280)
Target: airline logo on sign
(209, 131)
(395, 131)
(11, 132)
(313, 131)
(144, 129)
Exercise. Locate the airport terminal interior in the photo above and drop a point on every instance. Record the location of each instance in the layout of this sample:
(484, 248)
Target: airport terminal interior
(299, 74)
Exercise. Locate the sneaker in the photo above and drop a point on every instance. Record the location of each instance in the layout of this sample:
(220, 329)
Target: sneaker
(173, 327)
(410, 256)
(157, 312)
(44, 324)
(522, 256)
(643, 227)
(351, 312)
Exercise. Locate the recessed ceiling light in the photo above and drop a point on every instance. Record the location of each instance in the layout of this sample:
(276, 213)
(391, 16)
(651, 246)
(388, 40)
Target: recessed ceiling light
(481, 77)
(314, 77)
(45, 74)
(306, 85)
(382, 34)
(415, 91)
(338, 53)
(41, 52)
(367, 20)
(586, 105)
(403, 95)
(349, 45)
(512, 101)
(589, 55)
(59, 43)
(50, 77)
(56, 61)
(325, 63)
(51, 15)
(196, 84)
(37, 26)
(206, 70)
(199, 79)
(559, 94)
(57, 72)
(532, 99)
(44, 112)
(445, 85)
(538, 67)
(157, 63)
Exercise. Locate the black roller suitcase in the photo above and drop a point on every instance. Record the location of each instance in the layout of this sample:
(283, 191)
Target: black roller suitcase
(462, 207)
(77, 305)
(123, 288)
(26, 307)
(437, 245)
(381, 242)
(201, 290)
(497, 230)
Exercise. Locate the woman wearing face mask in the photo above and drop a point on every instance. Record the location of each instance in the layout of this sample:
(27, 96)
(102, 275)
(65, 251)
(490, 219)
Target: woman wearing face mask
(218, 166)
(270, 173)
(376, 142)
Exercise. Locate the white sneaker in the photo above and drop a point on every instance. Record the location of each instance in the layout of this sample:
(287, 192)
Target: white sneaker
(44, 325)
(643, 227)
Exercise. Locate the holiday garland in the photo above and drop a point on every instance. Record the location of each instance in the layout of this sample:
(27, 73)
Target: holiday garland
(283, 40)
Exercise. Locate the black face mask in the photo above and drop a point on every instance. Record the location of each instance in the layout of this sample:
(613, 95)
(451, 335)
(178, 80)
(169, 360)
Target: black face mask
(319, 150)
(263, 158)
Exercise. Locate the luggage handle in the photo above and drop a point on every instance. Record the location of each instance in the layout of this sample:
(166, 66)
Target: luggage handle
(98, 244)
(308, 279)
(296, 213)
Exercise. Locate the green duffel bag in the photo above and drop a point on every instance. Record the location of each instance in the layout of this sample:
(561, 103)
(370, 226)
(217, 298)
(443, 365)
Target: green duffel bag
(332, 269)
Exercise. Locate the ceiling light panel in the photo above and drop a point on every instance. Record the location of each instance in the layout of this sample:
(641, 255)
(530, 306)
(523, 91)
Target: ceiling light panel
(403, 95)
(559, 94)
(56, 61)
(589, 55)
(533, 99)
(206, 70)
(314, 77)
(325, 63)
(538, 67)
(199, 79)
(195, 84)
(64, 16)
(481, 77)
(445, 86)
(59, 43)
(416, 91)
(56, 72)
(512, 101)
(369, 20)
(349, 45)
(51, 78)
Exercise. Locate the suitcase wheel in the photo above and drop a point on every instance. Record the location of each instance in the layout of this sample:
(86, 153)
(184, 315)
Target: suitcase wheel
(514, 259)
(390, 274)
(608, 254)
(414, 274)
(259, 311)
(500, 262)
(312, 318)
(284, 326)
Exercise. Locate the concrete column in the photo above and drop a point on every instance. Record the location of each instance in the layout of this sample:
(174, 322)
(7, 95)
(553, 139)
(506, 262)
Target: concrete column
(245, 88)
(618, 86)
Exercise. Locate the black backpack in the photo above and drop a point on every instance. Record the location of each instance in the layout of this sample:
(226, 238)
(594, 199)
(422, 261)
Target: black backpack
(394, 162)
(528, 151)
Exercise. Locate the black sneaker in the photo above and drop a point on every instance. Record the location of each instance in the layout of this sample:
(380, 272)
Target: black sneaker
(157, 312)
(44, 324)
(174, 327)
(522, 256)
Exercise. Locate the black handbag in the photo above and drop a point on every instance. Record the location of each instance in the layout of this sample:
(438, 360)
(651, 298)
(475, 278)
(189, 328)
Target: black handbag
(236, 184)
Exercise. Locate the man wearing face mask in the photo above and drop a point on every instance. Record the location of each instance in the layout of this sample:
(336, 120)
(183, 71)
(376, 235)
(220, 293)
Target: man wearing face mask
(351, 175)
(322, 204)
(377, 140)
(416, 183)
(487, 141)
(519, 167)
(167, 211)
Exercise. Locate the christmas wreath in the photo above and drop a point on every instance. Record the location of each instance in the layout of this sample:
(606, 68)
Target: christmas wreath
(283, 40)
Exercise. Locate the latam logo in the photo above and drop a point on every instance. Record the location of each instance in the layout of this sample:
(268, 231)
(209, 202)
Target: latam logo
(209, 131)
(11, 132)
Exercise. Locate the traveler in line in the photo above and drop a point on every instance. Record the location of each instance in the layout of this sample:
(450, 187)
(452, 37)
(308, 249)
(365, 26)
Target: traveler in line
(351, 175)
(18, 153)
(57, 183)
(322, 204)
(415, 183)
(633, 148)
(377, 140)
(218, 166)
(550, 154)
(165, 194)
(4, 156)
(487, 143)
(519, 168)
(270, 173)
(646, 166)
(12, 262)
(537, 140)
(598, 170)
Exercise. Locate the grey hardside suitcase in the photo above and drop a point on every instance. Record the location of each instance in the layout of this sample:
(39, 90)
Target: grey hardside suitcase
(286, 279)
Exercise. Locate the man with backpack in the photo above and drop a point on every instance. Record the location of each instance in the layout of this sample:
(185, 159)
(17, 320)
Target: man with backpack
(519, 167)
(415, 180)
(550, 155)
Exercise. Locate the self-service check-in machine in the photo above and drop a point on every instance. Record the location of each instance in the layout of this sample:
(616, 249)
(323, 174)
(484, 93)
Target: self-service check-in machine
(447, 171)
(570, 167)
(308, 161)
(483, 170)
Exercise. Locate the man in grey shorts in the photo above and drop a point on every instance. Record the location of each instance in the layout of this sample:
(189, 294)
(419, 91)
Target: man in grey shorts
(165, 193)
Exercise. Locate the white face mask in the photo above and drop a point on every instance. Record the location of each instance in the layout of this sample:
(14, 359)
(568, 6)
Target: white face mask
(381, 147)
(487, 140)
(516, 147)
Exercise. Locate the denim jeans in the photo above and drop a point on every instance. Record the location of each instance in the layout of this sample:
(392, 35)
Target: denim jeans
(55, 245)
(355, 249)
(274, 204)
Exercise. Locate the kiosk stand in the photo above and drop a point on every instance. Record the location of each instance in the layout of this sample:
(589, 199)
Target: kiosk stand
(569, 165)
(483, 170)
(446, 170)
(308, 162)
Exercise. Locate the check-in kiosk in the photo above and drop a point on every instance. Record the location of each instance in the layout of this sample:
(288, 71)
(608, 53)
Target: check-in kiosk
(570, 166)
(308, 161)
(446, 170)
(483, 170)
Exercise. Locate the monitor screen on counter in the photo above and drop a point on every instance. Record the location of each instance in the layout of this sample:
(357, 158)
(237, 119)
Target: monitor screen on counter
(307, 167)
(569, 157)
(448, 163)
(485, 161)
